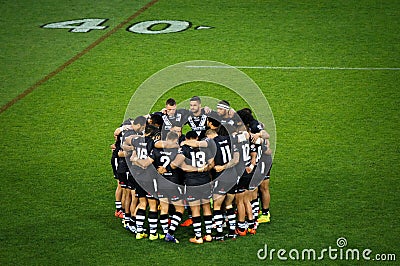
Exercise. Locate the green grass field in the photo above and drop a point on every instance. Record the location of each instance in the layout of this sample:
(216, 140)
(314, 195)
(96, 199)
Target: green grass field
(336, 164)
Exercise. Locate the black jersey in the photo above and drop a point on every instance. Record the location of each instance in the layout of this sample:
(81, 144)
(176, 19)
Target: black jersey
(224, 150)
(198, 123)
(223, 154)
(245, 148)
(124, 162)
(255, 126)
(143, 147)
(233, 121)
(264, 163)
(196, 157)
(164, 157)
(179, 119)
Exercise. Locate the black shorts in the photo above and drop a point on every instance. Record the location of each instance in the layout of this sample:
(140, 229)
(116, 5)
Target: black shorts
(225, 181)
(233, 190)
(169, 190)
(123, 179)
(114, 165)
(145, 182)
(130, 183)
(193, 193)
(269, 173)
(244, 182)
(143, 193)
(260, 176)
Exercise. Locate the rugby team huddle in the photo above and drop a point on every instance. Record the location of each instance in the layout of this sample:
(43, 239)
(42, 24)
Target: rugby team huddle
(218, 172)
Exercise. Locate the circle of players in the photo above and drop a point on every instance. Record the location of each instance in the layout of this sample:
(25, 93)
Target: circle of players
(218, 172)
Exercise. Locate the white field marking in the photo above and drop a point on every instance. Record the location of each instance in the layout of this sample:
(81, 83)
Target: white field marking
(301, 67)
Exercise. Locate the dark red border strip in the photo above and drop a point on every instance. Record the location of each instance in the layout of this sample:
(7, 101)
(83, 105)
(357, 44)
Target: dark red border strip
(76, 57)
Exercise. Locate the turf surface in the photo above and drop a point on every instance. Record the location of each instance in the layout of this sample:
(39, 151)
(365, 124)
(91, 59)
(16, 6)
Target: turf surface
(336, 165)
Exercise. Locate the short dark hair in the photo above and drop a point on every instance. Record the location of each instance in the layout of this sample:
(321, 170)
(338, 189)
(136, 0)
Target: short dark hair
(214, 122)
(191, 135)
(156, 119)
(225, 130)
(151, 130)
(140, 120)
(195, 98)
(170, 102)
(247, 110)
(127, 122)
(172, 135)
(246, 117)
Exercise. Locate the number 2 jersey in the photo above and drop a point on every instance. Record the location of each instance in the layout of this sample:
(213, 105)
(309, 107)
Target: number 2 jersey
(163, 158)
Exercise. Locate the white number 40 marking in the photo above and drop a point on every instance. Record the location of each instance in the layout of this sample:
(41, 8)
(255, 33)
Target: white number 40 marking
(80, 25)
(143, 27)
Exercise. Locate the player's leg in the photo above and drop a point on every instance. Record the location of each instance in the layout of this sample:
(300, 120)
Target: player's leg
(218, 216)
(255, 205)
(241, 213)
(188, 221)
(248, 196)
(132, 208)
(195, 208)
(127, 207)
(230, 214)
(266, 198)
(140, 213)
(118, 191)
(164, 209)
(207, 216)
(152, 217)
(175, 220)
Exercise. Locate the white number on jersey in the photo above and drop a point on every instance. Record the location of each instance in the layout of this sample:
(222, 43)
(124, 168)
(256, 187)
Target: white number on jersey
(226, 154)
(165, 160)
(141, 153)
(198, 159)
(246, 152)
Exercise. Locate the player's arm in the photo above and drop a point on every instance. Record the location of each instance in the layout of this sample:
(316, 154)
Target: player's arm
(143, 163)
(210, 164)
(189, 168)
(207, 110)
(179, 161)
(165, 144)
(176, 163)
(253, 162)
(122, 153)
(195, 143)
(262, 134)
(127, 144)
(230, 164)
(118, 130)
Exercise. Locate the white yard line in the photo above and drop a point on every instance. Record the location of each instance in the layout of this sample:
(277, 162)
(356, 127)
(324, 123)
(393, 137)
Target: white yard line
(300, 67)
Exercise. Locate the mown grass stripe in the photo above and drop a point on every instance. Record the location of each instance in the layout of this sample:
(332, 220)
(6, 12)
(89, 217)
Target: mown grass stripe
(301, 67)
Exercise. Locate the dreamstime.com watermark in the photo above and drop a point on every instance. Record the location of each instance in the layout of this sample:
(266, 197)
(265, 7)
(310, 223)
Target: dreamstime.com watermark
(338, 252)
